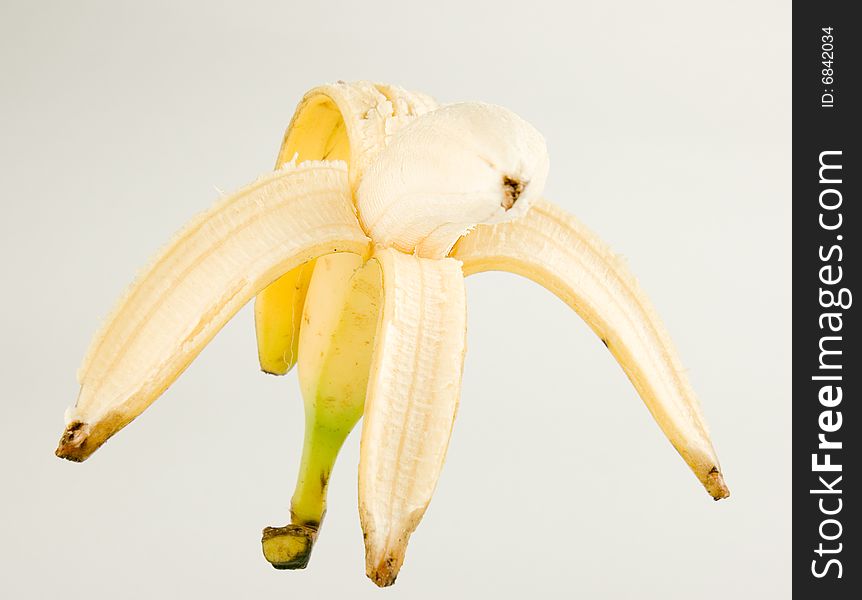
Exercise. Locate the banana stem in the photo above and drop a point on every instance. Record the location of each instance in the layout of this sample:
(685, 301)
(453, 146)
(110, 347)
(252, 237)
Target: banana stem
(320, 450)
(289, 547)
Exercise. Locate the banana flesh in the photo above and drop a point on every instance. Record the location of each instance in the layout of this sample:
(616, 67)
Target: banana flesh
(413, 394)
(495, 165)
(357, 256)
(335, 347)
(559, 253)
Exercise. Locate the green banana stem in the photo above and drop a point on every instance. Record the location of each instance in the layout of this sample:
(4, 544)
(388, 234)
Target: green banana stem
(290, 547)
(319, 452)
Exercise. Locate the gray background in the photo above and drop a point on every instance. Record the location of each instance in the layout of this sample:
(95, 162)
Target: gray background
(668, 125)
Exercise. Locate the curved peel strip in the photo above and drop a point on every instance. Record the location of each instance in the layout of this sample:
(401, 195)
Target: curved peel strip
(412, 398)
(350, 121)
(277, 317)
(213, 267)
(558, 252)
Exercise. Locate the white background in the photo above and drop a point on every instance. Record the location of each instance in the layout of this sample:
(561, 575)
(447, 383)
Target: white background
(668, 125)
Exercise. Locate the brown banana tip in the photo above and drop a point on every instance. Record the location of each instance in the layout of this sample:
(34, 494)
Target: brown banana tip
(73, 443)
(715, 485)
(385, 572)
(289, 547)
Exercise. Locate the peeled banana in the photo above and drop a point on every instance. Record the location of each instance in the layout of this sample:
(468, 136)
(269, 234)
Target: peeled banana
(356, 248)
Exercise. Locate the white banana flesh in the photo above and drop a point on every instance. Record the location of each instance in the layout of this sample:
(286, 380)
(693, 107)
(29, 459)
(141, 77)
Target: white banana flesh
(559, 253)
(213, 267)
(413, 394)
(455, 167)
(432, 194)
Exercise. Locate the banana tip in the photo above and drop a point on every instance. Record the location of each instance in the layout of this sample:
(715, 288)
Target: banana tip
(384, 572)
(74, 444)
(715, 485)
(277, 372)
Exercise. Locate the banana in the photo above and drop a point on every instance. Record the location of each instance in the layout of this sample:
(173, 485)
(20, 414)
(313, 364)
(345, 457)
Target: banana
(327, 121)
(335, 347)
(414, 197)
